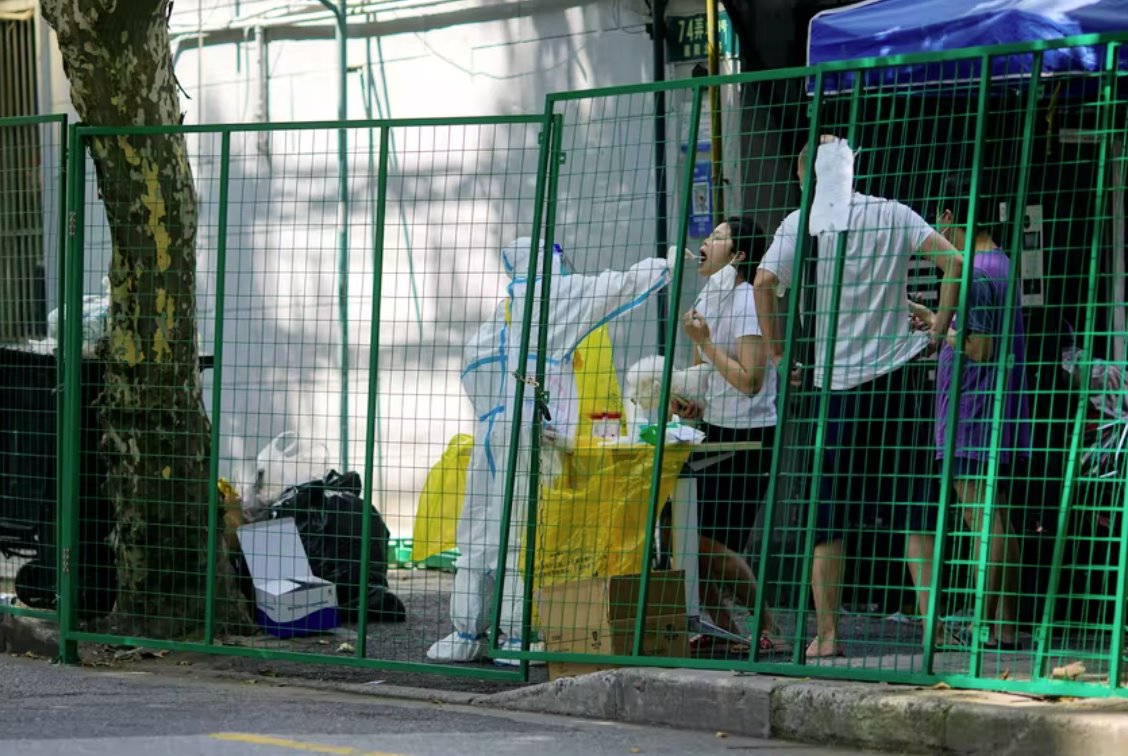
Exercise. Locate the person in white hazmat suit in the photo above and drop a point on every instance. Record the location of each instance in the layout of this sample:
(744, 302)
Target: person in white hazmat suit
(578, 305)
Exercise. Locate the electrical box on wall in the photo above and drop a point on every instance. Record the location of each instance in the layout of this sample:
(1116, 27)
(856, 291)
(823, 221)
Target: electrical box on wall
(1031, 246)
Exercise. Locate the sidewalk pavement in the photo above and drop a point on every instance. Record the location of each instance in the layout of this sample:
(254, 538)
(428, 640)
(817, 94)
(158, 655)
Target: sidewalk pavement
(892, 718)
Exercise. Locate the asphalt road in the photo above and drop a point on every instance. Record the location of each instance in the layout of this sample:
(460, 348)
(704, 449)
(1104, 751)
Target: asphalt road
(57, 710)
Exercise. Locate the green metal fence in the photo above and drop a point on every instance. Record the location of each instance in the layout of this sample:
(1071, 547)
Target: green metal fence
(201, 515)
(233, 350)
(32, 186)
(884, 549)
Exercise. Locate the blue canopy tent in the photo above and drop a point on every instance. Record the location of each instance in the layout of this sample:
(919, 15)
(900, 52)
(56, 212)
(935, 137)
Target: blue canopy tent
(880, 28)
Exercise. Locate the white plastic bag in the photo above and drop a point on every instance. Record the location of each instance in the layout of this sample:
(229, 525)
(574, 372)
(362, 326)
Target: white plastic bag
(834, 188)
(95, 313)
(288, 460)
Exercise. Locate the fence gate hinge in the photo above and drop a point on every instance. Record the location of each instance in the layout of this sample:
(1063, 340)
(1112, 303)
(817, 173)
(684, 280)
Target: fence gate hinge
(562, 157)
(72, 223)
(66, 561)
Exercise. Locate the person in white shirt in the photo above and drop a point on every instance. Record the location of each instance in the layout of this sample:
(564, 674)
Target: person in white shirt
(740, 407)
(878, 445)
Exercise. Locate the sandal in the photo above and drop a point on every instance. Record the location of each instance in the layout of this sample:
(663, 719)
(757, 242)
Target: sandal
(707, 646)
(946, 640)
(714, 647)
(771, 646)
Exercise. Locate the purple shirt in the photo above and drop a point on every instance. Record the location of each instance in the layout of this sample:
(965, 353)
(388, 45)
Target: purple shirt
(987, 299)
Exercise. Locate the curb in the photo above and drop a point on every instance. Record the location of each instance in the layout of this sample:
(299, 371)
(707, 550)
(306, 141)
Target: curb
(862, 715)
(898, 718)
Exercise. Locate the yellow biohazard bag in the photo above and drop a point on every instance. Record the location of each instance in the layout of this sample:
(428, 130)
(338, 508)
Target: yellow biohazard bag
(592, 523)
(440, 502)
(597, 385)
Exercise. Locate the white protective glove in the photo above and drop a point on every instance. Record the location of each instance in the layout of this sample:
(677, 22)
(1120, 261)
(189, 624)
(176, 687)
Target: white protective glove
(672, 255)
(554, 438)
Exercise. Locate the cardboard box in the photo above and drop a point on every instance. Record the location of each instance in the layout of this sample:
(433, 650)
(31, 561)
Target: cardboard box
(597, 616)
(291, 601)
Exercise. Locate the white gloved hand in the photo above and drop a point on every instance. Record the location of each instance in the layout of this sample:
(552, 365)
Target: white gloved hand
(672, 255)
(553, 437)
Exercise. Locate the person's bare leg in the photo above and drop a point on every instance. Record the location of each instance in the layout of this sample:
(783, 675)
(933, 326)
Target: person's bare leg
(999, 606)
(826, 588)
(919, 549)
(732, 571)
(1004, 550)
(714, 603)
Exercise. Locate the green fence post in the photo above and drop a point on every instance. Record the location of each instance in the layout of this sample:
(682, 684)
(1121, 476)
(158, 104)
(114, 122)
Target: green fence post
(784, 377)
(68, 467)
(373, 392)
(1116, 647)
(542, 355)
(1042, 639)
(835, 308)
(217, 381)
(798, 653)
(341, 26)
(62, 188)
(548, 153)
(771, 498)
(1006, 363)
(957, 367)
(672, 324)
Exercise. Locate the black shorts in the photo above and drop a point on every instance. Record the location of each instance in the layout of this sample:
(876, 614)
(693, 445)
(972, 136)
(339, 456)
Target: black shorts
(729, 492)
(878, 454)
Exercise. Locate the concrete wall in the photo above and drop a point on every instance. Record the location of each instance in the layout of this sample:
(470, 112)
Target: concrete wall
(454, 195)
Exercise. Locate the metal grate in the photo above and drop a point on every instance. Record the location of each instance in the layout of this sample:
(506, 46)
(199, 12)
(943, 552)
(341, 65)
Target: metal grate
(22, 279)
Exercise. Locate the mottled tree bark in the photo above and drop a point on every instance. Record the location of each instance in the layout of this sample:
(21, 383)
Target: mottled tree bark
(156, 432)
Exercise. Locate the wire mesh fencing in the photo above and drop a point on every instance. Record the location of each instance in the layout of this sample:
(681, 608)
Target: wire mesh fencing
(813, 372)
(888, 443)
(32, 185)
(278, 368)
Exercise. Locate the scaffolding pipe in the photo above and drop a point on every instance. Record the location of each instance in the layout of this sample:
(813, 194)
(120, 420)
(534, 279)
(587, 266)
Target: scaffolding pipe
(339, 9)
(661, 210)
(717, 157)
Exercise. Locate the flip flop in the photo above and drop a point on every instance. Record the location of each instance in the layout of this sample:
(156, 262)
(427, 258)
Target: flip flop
(838, 653)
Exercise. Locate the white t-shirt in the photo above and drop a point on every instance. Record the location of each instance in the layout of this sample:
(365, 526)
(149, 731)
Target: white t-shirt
(731, 316)
(873, 335)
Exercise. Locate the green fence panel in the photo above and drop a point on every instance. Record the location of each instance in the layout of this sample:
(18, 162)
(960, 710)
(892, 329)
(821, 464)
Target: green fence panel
(32, 224)
(199, 453)
(923, 509)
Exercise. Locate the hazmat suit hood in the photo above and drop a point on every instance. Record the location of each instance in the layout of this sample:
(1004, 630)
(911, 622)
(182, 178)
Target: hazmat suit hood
(515, 256)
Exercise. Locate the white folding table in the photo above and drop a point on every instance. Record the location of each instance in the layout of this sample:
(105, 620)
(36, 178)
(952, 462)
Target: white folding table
(684, 537)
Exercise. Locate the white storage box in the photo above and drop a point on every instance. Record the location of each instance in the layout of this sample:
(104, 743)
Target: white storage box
(290, 600)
